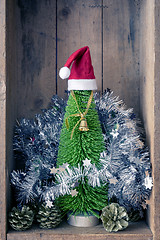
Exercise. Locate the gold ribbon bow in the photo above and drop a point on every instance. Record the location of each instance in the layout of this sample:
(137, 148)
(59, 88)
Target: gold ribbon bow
(80, 114)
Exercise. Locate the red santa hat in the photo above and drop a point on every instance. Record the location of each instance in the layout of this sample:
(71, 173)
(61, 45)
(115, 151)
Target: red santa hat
(81, 76)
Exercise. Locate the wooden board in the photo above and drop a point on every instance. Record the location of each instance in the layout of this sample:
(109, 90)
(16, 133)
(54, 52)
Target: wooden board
(36, 55)
(78, 25)
(3, 120)
(150, 100)
(121, 50)
(156, 165)
(147, 89)
(136, 231)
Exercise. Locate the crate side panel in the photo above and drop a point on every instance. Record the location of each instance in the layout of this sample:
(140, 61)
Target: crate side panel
(157, 123)
(147, 57)
(121, 50)
(78, 25)
(3, 120)
(36, 55)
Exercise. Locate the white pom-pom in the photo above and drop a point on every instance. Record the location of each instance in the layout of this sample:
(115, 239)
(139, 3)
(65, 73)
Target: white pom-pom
(64, 72)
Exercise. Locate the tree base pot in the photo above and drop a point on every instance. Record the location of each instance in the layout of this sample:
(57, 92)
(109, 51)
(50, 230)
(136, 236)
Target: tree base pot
(81, 220)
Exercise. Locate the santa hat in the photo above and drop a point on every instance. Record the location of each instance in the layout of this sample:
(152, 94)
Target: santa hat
(81, 76)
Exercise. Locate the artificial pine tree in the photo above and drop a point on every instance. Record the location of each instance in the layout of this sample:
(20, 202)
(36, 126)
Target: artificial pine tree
(75, 146)
(81, 135)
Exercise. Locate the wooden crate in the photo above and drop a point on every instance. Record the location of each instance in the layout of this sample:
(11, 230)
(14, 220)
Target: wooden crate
(36, 39)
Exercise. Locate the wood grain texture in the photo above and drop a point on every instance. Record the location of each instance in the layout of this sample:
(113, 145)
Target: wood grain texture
(136, 231)
(3, 120)
(123, 37)
(147, 56)
(36, 55)
(156, 165)
(121, 50)
(78, 25)
(11, 93)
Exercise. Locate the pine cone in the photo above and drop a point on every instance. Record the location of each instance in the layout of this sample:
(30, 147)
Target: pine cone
(21, 219)
(49, 217)
(134, 216)
(114, 217)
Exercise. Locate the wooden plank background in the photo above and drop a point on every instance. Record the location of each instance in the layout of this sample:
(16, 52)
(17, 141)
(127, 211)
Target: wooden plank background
(49, 31)
(11, 93)
(121, 50)
(36, 55)
(79, 25)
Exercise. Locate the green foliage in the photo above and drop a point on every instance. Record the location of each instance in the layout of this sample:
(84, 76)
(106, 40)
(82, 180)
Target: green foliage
(87, 200)
(49, 217)
(84, 144)
(21, 219)
(114, 217)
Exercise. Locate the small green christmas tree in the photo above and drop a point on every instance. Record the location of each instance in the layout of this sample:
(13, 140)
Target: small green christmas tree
(81, 135)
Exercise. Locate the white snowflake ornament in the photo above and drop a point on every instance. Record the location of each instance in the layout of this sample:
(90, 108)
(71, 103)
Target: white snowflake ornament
(148, 182)
(63, 167)
(113, 181)
(49, 204)
(53, 170)
(114, 133)
(86, 162)
(74, 192)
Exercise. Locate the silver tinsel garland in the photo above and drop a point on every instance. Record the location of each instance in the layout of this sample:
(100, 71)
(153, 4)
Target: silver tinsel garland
(125, 164)
(35, 144)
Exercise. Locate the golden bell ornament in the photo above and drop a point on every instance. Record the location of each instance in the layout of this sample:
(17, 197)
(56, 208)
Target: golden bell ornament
(83, 125)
